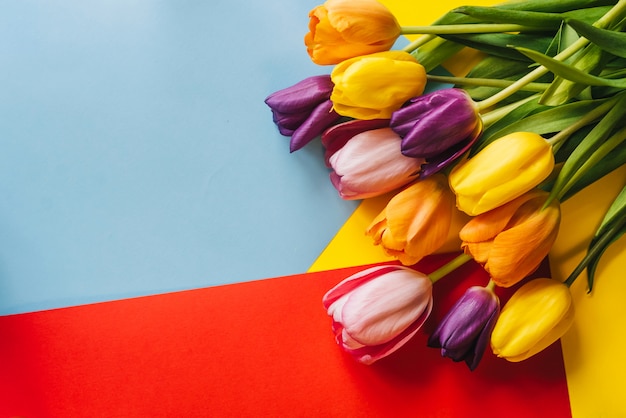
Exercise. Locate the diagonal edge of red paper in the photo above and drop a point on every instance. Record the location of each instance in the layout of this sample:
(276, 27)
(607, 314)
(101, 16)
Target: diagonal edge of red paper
(256, 349)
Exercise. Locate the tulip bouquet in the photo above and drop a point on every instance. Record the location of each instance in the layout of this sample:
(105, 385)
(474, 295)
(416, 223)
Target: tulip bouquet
(539, 118)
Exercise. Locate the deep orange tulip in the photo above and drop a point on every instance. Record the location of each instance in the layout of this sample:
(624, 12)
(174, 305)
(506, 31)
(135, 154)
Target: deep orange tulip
(342, 29)
(512, 240)
(416, 221)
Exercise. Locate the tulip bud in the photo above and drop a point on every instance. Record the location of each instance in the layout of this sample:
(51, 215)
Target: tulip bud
(343, 29)
(378, 310)
(505, 169)
(367, 162)
(303, 111)
(464, 332)
(362, 88)
(537, 315)
(433, 123)
(416, 221)
(511, 241)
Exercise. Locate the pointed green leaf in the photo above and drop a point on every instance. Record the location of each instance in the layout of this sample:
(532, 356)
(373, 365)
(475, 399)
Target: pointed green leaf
(598, 247)
(590, 61)
(518, 17)
(567, 71)
(555, 6)
(589, 145)
(435, 52)
(616, 211)
(539, 119)
(611, 162)
(608, 40)
(499, 44)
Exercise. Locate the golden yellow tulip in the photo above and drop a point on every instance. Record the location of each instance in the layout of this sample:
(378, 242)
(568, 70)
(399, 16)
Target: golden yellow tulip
(505, 169)
(537, 315)
(362, 88)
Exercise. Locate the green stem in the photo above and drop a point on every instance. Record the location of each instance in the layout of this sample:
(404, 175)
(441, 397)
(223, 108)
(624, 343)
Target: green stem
(613, 13)
(421, 41)
(557, 140)
(463, 29)
(602, 151)
(491, 285)
(485, 82)
(489, 118)
(449, 267)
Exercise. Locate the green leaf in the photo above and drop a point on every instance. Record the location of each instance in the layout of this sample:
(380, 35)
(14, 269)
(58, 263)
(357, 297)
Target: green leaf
(539, 119)
(595, 251)
(595, 259)
(555, 6)
(612, 227)
(608, 40)
(590, 61)
(569, 72)
(610, 162)
(616, 211)
(518, 17)
(492, 67)
(592, 143)
(499, 44)
(435, 52)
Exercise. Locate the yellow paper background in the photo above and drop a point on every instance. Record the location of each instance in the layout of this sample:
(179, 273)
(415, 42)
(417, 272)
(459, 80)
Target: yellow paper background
(593, 347)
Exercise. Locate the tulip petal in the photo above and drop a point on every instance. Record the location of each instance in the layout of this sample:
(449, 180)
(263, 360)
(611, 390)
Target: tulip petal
(335, 137)
(320, 118)
(302, 96)
(371, 354)
(349, 284)
(505, 169)
(439, 162)
(464, 332)
(379, 310)
(371, 164)
(535, 316)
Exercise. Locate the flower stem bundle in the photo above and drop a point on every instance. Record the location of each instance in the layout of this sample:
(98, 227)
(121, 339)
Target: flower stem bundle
(536, 120)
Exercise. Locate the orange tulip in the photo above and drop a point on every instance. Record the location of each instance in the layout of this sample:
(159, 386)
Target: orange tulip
(512, 240)
(342, 29)
(416, 221)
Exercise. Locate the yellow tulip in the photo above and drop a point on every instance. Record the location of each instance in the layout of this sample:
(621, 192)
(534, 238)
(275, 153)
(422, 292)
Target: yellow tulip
(362, 88)
(343, 29)
(503, 170)
(511, 241)
(416, 221)
(537, 315)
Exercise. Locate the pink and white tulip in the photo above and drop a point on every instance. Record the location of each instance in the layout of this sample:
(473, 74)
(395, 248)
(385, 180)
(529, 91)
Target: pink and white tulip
(367, 160)
(378, 310)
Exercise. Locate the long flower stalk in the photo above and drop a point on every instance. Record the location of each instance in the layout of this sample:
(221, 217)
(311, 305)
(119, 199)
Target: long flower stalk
(449, 267)
(614, 13)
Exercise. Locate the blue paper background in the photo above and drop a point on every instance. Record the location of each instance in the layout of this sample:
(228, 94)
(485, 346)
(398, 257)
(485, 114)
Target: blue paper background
(138, 156)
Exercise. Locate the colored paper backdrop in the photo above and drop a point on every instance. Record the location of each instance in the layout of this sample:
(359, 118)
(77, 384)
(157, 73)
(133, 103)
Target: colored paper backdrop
(140, 162)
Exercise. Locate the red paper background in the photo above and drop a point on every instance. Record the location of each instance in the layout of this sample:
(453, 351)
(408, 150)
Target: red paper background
(257, 349)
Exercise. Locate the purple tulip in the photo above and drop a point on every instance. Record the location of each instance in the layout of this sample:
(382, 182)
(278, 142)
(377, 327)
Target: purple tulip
(465, 331)
(304, 110)
(438, 126)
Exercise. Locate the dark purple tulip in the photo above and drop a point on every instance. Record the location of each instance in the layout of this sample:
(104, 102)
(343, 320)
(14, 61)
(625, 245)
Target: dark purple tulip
(304, 110)
(465, 331)
(431, 124)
